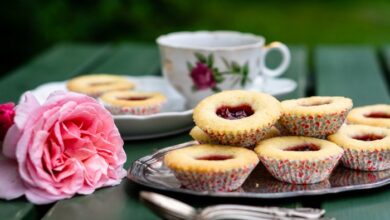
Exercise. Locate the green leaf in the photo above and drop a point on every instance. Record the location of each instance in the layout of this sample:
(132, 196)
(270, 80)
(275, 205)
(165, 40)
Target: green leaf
(216, 71)
(245, 71)
(226, 63)
(210, 60)
(193, 88)
(200, 57)
(216, 89)
(217, 75)
(218, 78)
(235, 67)
(189, 66)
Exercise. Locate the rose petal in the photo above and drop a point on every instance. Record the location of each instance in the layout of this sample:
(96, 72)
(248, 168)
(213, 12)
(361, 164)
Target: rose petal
(95, 167)
(11, 186)
(25, 109)
(10, 141)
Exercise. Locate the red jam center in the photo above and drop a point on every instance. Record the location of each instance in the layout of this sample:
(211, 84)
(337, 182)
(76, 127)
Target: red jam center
(233, 113)
(133, 98)
(316, 103)
(378, 115)
(303, 147)
(368, 137)
(215, 157)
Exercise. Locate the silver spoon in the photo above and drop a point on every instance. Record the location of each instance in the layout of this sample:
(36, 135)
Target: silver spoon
(173, 209)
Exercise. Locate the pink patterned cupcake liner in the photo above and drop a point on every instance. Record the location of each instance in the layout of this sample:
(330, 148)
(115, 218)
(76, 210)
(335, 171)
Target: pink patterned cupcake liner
(313, 125)
(301, 171)
(366, 160)
(229, 180)
(246, 139)
(139, 110)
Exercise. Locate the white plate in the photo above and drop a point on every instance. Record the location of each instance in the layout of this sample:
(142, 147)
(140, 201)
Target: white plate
(174, 117)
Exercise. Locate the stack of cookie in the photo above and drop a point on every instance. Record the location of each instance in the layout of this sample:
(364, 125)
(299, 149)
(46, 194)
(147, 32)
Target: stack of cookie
(289, 138)
(117, 94)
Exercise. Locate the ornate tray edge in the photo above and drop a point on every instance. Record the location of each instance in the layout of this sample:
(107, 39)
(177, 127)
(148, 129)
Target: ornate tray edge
(138, 165)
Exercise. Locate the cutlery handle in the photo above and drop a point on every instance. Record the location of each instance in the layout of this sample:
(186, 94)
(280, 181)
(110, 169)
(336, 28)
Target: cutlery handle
(161, 203)
(308, 213)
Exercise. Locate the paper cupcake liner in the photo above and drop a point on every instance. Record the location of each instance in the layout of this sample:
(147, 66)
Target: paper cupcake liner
(318, 126)
(214, 181)
(366, 160)
(203, 138)
(301, 171)
(246, 139)
(139, 110)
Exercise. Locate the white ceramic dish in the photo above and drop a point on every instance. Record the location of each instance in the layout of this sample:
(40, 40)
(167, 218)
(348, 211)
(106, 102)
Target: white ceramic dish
(173, 118)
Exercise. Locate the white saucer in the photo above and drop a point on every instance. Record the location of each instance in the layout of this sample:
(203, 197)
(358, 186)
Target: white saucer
(173, 118)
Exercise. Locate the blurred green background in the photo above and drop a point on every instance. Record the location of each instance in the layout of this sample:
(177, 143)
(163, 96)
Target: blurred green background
(30, 26)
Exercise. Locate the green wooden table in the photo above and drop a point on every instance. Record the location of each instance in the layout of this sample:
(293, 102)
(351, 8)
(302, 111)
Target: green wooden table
(359, 72)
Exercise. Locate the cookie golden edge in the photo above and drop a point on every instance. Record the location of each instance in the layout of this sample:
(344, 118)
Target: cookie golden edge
(80, 84)
(242, 132)
(298, 167)
(206, 175)
(358, 115)
(116, 106)
(363, 155)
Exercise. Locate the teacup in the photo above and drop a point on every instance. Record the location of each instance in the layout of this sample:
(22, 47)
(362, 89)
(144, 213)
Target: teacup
(199, 64)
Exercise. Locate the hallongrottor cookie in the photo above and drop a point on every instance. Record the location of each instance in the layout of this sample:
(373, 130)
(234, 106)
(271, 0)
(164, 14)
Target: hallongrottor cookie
(316, 116)
(237, 117)
(133, 103)
(374, 115)
(299, 160)
(96, 84)
(211, 167)
(366, 147)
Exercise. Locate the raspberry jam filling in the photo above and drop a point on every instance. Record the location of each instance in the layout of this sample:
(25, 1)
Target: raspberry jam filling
(215, 157)
(236, 112)
(377, 115)
(368, 137)
(134, 98)
(315, 103)
(303, 147)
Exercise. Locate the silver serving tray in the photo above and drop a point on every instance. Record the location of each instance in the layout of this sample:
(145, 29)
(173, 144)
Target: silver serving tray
(150, 171)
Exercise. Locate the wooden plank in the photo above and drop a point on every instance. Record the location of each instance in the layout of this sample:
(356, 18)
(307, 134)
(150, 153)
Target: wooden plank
(58, 63)
(17, 209)
(122, 202)
(353, 72)
(132, 59)
(386, 59)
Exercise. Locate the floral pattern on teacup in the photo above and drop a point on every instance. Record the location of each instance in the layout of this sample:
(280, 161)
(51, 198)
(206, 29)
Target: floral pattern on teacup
(206, 76)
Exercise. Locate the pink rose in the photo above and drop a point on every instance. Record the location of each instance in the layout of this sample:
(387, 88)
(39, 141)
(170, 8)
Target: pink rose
(202, 76)
(67, 145)
(7, 114)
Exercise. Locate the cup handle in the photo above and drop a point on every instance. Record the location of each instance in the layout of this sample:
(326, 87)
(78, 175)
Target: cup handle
(286, 58)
